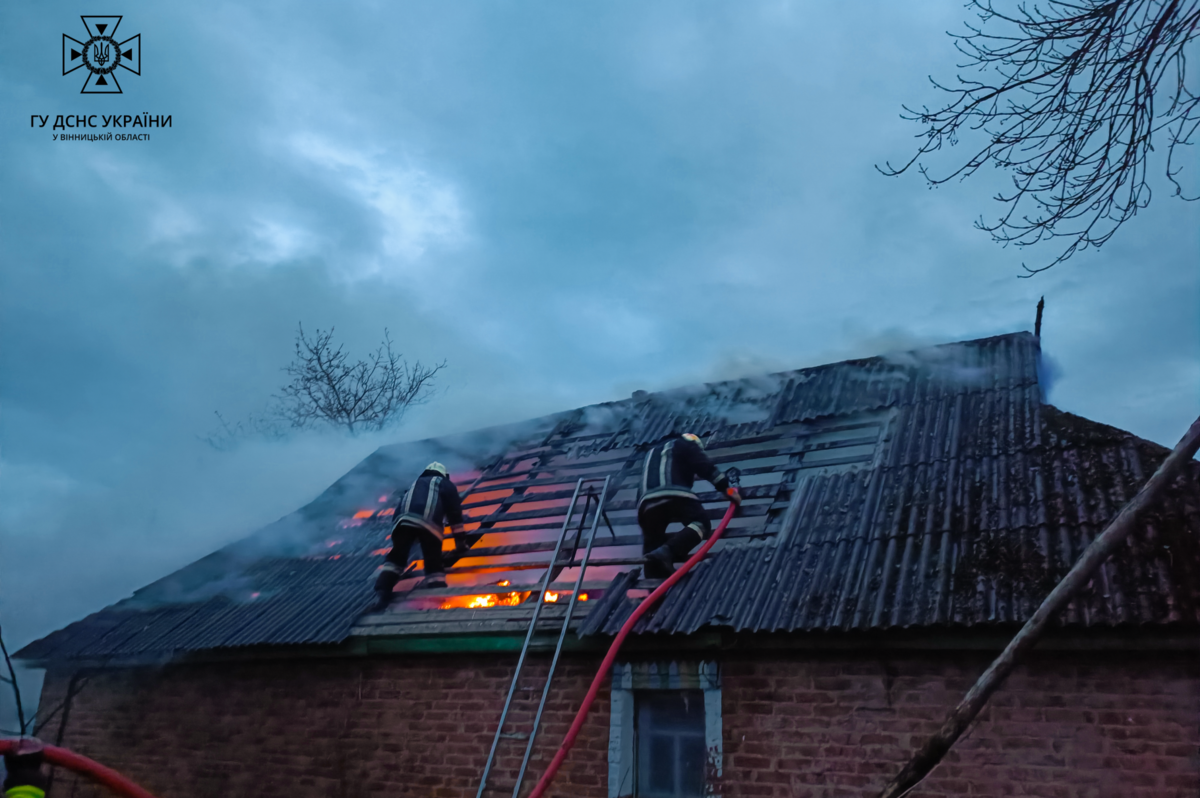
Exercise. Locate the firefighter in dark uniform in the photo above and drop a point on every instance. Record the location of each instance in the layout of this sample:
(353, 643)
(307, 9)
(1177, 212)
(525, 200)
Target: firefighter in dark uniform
(23, 771)
(666, 495)
(422, 514)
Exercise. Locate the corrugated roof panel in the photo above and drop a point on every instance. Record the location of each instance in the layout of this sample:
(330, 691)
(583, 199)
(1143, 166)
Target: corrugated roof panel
(945, 533)
(159, 624)
(274, 618)
(79, 635)
(210, 614)
(123, 633)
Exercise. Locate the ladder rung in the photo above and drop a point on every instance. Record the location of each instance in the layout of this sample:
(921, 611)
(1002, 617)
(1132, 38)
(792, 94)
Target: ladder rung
(553, 567)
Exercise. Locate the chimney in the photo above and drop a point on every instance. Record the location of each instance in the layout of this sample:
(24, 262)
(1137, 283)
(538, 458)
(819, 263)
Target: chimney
(1037, 325)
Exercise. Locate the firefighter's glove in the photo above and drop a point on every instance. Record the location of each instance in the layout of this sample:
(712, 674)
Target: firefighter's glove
(459, 535)
(25, 778)
(734, 495)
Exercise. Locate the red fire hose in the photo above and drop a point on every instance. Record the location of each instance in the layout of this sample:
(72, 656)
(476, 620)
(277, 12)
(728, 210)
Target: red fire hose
(81, 765)
(601, 674)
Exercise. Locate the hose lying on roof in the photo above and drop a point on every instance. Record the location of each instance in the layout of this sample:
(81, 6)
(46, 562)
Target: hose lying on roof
(602, 674)
(79, 764)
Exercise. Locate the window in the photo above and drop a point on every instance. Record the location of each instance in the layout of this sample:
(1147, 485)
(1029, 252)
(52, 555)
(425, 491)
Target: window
(665, 734)
(669, 729)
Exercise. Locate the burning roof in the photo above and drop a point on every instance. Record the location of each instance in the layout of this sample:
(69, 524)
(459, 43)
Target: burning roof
(928, 488)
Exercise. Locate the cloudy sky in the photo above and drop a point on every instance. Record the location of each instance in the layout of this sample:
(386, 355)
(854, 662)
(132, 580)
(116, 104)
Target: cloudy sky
(566, 202)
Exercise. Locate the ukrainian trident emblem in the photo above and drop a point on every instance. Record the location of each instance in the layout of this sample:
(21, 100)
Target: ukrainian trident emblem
(101, 54)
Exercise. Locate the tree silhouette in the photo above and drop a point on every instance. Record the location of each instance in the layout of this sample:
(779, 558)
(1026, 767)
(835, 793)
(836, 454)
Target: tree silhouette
(1077, 93)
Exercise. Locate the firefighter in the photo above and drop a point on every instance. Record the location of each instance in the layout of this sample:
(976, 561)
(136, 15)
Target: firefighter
(666, 495)
(23, 767)
(421, 515)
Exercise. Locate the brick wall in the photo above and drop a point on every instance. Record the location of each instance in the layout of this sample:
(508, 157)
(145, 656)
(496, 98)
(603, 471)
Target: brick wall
(331, 728)
(1095, 726)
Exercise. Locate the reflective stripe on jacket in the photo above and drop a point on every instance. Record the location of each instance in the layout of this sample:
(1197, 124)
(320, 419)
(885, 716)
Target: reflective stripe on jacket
(430, 503)
(671, 470)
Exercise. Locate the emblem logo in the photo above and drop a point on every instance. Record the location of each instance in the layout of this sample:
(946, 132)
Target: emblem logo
(101, 54)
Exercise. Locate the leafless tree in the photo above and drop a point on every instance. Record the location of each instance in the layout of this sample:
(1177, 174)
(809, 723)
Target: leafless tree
(327, 388)
(1075, 94)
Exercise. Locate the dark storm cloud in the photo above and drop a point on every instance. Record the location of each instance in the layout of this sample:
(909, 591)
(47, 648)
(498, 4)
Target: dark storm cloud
(568, 202)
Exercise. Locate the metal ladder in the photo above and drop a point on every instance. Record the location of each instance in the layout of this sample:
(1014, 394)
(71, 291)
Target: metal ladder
(552, 570)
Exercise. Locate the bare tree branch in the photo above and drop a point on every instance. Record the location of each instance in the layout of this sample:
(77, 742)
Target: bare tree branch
(327, 388)
(12, 681)
(1071, 112)
(226, 437)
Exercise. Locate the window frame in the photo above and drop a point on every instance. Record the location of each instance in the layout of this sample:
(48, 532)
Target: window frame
(631, 677)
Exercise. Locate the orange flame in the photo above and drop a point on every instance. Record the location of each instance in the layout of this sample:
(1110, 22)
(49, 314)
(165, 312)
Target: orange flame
(486, 600)
(551, 596)
(364, 514)
(488, 495)
(503, 583)
(480, 512)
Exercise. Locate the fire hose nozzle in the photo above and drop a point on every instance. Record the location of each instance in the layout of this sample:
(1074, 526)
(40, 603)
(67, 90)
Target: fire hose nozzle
(735, 477)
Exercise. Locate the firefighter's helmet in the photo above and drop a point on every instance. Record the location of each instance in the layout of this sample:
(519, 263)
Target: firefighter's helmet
(438, 467)
(696, 439)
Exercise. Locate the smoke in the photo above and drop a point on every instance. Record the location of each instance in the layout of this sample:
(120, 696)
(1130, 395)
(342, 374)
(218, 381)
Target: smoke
(1049, 372)
(746, 381)
(384, 474)
(741, 364)
(599, 419)
(950, 363)
(67, 556)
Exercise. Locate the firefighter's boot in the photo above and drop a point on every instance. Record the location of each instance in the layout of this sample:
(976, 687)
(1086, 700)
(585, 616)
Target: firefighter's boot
(659, 563)
(433, 580)
(683, 541)
(384, 584)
